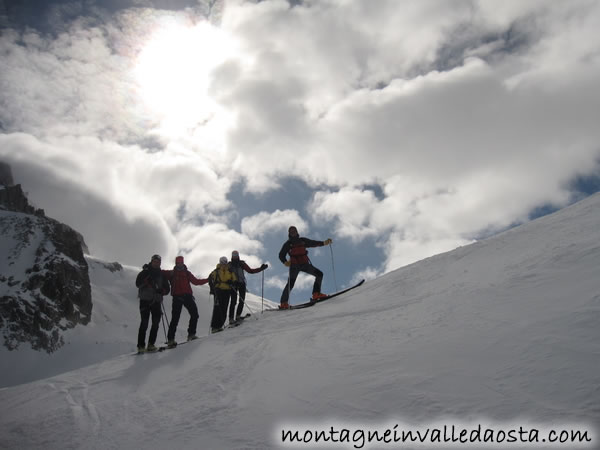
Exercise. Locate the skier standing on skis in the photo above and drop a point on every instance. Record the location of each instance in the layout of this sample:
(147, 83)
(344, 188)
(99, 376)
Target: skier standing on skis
(152, 285)
(238, 267)
(181, 280)
(296, 247)
(222, 284)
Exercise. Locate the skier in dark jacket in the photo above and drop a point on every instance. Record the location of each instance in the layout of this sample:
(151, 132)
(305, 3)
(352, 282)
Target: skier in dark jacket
(238, 267)
(181, 290)
(152, 285)
(296, 247)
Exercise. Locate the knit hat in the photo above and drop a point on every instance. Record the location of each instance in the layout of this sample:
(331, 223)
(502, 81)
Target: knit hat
(223, 260)
(235, 254)
(179, 260)
(155, 257)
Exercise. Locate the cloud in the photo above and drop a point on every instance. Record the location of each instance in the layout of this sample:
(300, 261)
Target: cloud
(302, 282)
(204, 245)
(370, 273)
(111, 232)
(107, 187)
(350, 208)
(259, 224)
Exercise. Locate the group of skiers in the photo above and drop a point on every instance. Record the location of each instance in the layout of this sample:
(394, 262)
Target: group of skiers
(227, 284)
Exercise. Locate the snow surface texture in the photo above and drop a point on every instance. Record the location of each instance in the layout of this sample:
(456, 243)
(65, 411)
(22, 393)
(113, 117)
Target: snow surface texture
(506, 329)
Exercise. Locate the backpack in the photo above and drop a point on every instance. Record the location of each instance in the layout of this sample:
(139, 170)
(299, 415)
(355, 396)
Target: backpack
(238, 270)
(223, 277)
(150, 292)
(298, 253)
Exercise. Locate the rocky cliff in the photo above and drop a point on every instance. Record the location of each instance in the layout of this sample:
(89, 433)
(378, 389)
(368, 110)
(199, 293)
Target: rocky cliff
(44, 282)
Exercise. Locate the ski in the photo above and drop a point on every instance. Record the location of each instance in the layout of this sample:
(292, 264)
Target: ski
(162, 348)
(322, 299)
(238, 321)
(312, 302)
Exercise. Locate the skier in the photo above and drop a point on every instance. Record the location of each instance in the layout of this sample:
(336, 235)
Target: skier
(238, 267)
(152, 285)
(296, 247)
(222, 281)
(181, 290)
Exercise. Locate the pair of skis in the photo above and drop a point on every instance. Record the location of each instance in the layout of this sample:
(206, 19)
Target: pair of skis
(312, 302)
(234, 324)
(162, 348)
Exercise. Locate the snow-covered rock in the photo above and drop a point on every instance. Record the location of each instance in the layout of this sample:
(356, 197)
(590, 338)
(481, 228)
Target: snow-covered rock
(44, 282)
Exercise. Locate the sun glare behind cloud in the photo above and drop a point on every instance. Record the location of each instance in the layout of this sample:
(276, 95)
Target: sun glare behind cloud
(174, 73)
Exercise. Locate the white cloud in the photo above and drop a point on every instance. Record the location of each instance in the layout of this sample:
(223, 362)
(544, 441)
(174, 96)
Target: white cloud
(264, 222)
(204, 245)
(108, 187)
(353, 209)
(369, 273)
(303, 281)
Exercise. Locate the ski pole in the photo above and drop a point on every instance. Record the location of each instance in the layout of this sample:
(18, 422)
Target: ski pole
(262, 292)
(289, 282)
(250, 310)
(163, 324)
(333, 267)
(212, 316)
(166, 317)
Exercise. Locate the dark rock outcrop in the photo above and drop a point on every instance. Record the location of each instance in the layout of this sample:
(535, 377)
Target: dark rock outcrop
(12, 198)
(6, 177)
(44, 282)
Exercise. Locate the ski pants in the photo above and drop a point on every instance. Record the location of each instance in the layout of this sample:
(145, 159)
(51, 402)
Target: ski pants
(294, 271)
(222, 297)
(179, 301)
(241, 292)
(146, 309)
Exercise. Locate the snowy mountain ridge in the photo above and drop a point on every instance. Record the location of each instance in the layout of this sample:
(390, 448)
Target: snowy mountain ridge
(503, 331)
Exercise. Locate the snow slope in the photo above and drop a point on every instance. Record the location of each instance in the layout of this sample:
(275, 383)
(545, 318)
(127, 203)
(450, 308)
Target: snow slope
(505, 330)
(112, 330)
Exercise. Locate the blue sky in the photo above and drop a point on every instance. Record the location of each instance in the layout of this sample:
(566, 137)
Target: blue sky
(398, 129)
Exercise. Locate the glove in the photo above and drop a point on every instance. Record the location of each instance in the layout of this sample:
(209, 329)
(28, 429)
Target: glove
(287, 264)
(264, 266)
(327, 242)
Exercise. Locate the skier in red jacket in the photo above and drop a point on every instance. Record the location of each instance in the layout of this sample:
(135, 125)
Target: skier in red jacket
(181, 290)
(296, 247)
